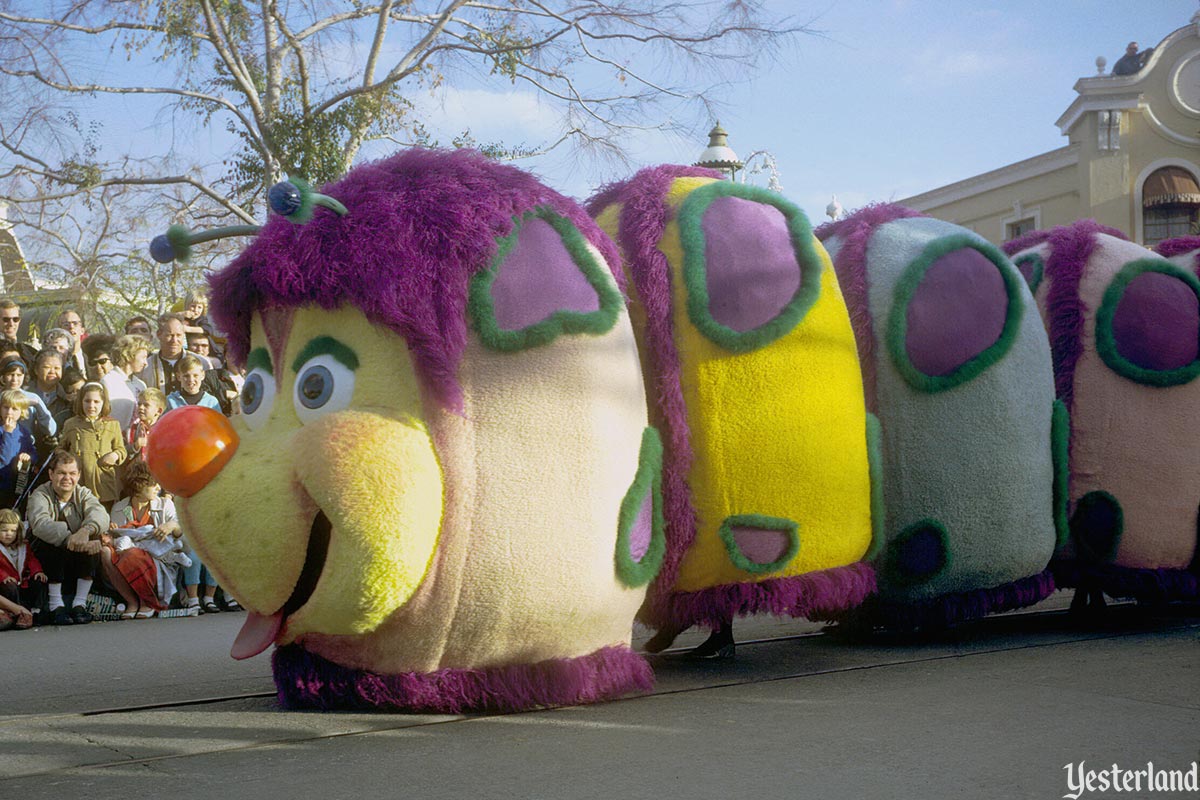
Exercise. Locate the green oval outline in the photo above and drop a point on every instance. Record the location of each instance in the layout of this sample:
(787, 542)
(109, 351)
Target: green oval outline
(906, 287)
(695, 279)
(1106, 343)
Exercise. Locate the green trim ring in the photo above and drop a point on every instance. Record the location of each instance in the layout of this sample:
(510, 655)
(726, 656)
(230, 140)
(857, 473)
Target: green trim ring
(1036, 273)
(762, 521)
(482, 310)
(647, 479)
(878, 504)
(695, 280)
(891, 565)
(910, 279)
(1060, 441)
(1106, 344)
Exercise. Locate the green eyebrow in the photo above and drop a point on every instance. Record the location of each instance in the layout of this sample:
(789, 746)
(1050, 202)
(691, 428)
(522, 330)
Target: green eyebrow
(326, 346)
(259, 358)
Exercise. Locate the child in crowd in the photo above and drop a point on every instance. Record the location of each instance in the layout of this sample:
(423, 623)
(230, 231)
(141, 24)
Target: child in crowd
(62, 407)
(95, 439)
(191, 392)
(22, 579)
(12, 376)
(196, 322)
(17, 447)
(191, 375)
(144, 549)
(150, 407)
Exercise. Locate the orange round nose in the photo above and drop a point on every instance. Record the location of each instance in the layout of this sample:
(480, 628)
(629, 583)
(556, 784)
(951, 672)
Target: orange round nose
(188, 447)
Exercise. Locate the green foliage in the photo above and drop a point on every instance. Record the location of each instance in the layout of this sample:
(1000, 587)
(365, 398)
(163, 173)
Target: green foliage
(506, 48)
(82, 169)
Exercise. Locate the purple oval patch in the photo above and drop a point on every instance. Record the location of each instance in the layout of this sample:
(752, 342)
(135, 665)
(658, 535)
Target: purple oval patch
(643, 530)
(749, 262)
(761, 545)
(1156, 324)
(956, 312)
(539, 277)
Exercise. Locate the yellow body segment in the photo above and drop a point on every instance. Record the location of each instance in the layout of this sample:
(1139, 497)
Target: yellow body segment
(778, 431)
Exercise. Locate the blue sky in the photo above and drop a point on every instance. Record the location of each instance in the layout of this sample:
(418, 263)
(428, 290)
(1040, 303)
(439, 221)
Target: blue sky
(900, 96)
(892, 98)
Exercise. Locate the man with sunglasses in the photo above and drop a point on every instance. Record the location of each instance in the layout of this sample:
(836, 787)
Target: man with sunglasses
(10, 325)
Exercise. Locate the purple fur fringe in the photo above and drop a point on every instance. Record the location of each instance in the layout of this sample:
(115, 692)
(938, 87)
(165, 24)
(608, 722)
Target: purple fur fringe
(420, 224)
(307, 681)
(1128, 582)
(1070, 248)
(643, 220)
(950, 609)
(815, 595)
(851, 268)
(1169, 248)
(1031, 239)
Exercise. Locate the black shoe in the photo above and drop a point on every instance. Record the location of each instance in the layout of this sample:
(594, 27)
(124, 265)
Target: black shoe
(80, 615)
(61, 616)
(719, 645)
(209, 607)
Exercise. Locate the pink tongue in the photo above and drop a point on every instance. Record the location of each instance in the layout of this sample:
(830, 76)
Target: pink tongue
(256, 635)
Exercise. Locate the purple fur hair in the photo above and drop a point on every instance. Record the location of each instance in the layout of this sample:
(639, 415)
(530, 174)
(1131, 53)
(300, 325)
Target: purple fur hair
(1178, 246)
(420, 223)
(851, 268)
(950, 609)
(815, 595)
(1070, 248)
(305, 680)
(1143, 584)
(1031, 239)
(643, 220)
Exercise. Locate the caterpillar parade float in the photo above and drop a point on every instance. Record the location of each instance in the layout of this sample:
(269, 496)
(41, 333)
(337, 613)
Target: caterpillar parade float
(481, 432)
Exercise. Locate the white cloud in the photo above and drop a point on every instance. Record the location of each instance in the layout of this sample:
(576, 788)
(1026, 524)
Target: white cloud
(511, 116)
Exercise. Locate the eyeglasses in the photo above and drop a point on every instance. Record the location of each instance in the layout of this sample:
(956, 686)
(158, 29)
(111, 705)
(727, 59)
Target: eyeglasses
(99, 361)
(10, 319)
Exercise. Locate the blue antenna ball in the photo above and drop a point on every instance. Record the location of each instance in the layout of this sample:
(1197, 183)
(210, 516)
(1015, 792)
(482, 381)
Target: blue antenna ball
(284, 198)
(161, 249)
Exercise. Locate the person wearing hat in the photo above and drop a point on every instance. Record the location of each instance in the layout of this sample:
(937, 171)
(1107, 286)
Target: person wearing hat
(12, 376)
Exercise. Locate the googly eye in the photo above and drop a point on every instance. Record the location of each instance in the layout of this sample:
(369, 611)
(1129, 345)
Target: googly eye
(285, 198)
(323, 385)
(258, 395)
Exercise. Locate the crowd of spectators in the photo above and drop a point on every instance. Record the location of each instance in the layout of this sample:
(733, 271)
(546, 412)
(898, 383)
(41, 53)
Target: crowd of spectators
(83, 523)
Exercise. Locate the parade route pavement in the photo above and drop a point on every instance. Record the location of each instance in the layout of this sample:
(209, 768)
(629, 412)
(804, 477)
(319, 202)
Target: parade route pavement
(993, 709)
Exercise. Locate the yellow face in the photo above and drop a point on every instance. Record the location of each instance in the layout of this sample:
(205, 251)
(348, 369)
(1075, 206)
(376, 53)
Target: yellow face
(329, 512)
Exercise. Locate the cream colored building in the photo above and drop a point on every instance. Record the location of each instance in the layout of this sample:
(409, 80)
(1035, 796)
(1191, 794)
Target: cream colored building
(1133, 161)
(13, 270)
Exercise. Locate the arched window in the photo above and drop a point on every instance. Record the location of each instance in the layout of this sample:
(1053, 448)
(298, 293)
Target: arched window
(1170, 205)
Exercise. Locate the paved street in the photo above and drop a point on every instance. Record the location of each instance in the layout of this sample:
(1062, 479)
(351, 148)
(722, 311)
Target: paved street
(992, 710)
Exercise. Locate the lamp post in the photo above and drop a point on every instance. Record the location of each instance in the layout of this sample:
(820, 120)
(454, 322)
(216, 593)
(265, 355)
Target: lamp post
(719, 155)
(761, 160)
